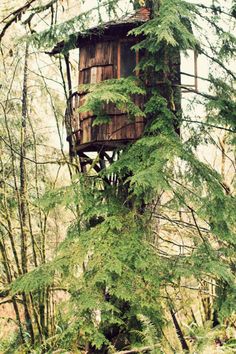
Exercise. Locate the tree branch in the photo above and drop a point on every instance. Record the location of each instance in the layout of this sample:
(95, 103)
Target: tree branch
(15, 15)
(209, 125)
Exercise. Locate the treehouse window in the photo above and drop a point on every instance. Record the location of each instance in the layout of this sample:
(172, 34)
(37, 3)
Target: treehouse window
(127, 59)
(189, 71)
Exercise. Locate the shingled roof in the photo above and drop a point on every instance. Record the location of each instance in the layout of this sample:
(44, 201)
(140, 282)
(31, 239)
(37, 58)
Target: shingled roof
(114, 27)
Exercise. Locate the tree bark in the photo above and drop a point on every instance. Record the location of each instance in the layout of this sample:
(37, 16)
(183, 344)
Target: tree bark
(22, 194)
(179, 332)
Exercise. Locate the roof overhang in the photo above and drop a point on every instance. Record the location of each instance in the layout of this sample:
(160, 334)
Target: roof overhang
(107, 31)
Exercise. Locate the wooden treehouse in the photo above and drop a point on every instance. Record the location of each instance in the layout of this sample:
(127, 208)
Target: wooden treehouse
(105, 53)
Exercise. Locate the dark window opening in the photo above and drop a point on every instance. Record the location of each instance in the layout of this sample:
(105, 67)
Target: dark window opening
(127, 59)
(91, 51)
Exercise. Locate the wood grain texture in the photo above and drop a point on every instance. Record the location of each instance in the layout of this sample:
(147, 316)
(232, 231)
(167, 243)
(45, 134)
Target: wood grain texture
(100, 60)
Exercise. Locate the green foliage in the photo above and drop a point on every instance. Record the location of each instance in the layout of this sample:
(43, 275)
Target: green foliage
(67, 30)
(111, 91)
(12, 344)
(222, 108)
(36, 279)
(64, 196)
(170, 26)
(148, 334)
(121, 272)
(226, 302)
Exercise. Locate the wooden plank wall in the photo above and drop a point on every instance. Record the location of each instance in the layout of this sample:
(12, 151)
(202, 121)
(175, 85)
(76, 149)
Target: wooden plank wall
(98, 62)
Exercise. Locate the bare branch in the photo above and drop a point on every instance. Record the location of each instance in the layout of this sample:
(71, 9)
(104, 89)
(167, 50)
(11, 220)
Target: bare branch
(14, 16)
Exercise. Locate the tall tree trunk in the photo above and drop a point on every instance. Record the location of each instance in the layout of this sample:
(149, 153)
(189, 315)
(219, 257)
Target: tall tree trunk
(23, 204)
(179, 332)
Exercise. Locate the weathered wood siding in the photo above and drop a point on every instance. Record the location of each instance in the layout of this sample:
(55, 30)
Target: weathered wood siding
(98, 62)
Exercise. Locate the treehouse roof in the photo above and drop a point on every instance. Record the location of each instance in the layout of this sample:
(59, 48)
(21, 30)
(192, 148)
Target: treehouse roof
(109, 30)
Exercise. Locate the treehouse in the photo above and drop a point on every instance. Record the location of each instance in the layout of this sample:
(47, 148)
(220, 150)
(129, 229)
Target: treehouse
(105, 53)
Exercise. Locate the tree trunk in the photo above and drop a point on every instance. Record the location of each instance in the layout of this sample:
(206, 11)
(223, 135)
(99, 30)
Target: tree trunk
(22, 194)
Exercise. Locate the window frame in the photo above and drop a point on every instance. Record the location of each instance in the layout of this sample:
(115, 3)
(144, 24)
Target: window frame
(134, 41)
(193, 86)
